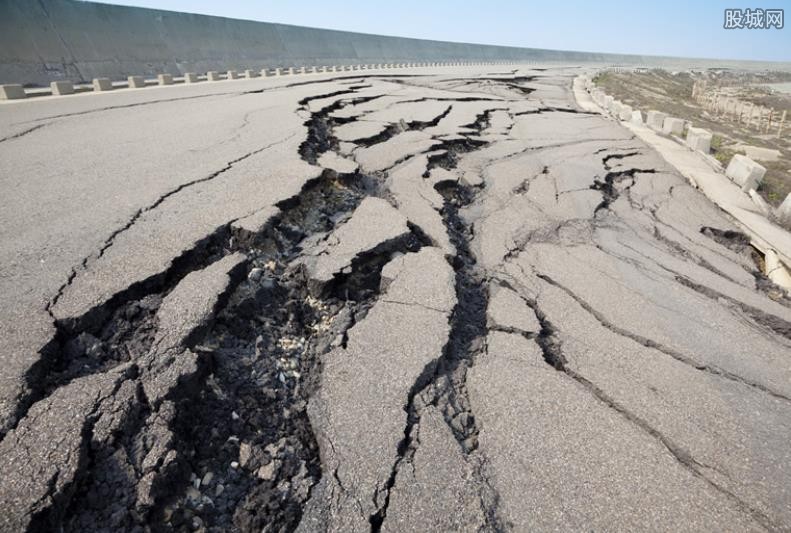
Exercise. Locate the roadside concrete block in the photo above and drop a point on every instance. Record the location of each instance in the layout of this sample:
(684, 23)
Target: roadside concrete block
(232, 75)
(699, 139)
(290, 71)
(784, 211)
(608, 100)
(626, 112)
(62, 87)
(102, 84)
(213, 75)
(264, 73)
(745, 172)
(765, 208)
(165, 79)
(302, 70)
(278, 72)
(11, 91)
(190, 77)
(673, 126)
(637, 117)
(655, 119)
(136, 82)
(775, 270)
(250, 74)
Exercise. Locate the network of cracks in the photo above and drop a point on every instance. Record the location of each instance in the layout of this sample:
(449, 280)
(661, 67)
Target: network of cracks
(229, 445)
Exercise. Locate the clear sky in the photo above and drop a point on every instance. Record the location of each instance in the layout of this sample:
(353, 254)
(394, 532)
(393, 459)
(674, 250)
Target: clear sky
(691, 28)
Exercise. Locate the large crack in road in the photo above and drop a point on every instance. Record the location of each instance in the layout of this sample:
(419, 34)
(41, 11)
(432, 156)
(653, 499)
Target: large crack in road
(492, 314)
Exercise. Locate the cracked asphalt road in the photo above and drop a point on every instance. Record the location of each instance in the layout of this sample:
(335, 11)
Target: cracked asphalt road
(437, 302)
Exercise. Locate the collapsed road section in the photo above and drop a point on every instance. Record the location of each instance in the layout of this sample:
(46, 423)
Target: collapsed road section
(431, 302)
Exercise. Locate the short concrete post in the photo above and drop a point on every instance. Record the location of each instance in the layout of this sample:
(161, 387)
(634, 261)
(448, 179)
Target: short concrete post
(314, 70)
(765, 208)
(745, 172)
(775, 270)
(655, 119)
(12, 91)
(135, 82)
(783, 212)
(250, 74)
(303, 70)
(278, 71)
(102, 84)
(213, 75)
(60, 88)
(264, 72)
(231, 75)
(637, 117)
(290, 71)
(165, 79)
(699, 139)
(673, 126)
(190, 77)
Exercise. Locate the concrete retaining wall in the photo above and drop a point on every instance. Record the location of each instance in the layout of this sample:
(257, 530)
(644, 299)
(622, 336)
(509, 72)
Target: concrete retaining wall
(46, 40)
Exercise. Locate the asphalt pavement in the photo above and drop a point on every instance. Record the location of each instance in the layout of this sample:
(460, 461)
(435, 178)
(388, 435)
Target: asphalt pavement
(428, 299)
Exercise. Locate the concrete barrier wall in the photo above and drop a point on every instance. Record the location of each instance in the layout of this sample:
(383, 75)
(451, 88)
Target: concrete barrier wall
(46, 40)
